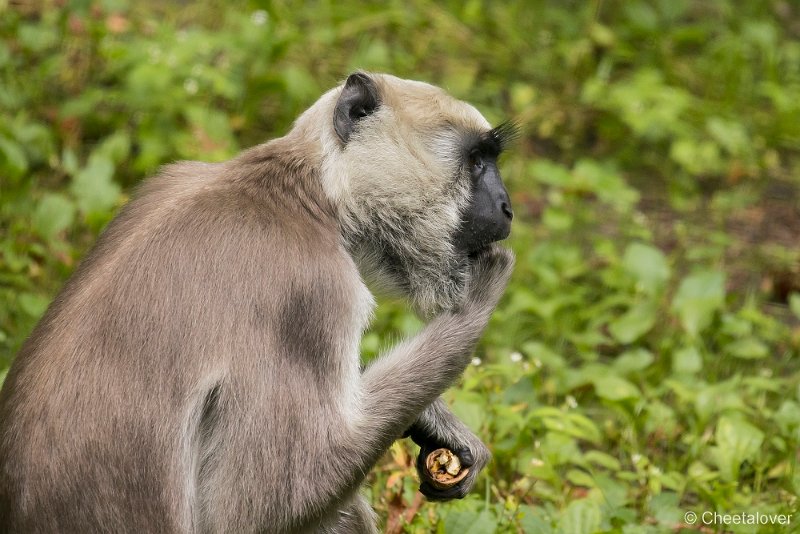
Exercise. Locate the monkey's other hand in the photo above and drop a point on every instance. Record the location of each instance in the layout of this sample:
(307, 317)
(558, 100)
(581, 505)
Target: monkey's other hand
(490, 271)
(473, 454)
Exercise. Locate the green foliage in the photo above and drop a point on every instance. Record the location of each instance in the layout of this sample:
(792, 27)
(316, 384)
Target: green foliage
(636, 368)
(698, 299)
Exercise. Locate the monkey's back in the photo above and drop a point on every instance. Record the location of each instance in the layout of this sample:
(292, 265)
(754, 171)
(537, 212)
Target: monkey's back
(160, 390)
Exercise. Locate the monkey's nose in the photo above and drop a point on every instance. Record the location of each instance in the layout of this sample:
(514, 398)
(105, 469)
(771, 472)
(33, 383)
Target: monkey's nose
(505, 207)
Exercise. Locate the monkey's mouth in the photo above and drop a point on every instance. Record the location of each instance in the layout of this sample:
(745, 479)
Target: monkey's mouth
(475, 242)
(478, 233)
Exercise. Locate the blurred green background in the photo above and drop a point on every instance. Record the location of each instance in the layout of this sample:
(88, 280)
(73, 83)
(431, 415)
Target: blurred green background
(644, 361)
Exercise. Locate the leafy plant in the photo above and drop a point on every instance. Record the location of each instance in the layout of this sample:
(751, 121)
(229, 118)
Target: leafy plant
(644, 361)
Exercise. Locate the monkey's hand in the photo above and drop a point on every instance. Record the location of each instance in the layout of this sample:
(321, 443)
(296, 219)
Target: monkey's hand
(490, 271)
(437, 427)
(470, 451)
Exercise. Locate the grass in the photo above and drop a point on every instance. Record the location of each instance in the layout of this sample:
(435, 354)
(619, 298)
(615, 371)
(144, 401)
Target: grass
(644, 362)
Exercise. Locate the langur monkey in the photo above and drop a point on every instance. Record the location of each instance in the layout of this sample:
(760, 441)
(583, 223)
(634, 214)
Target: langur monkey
(200, 370)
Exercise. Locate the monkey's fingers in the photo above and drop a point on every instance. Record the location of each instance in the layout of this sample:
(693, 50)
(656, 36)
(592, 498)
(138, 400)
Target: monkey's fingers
(444, 469)
(490, 272)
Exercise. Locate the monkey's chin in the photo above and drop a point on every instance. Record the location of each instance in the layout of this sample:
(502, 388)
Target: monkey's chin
(484, 248)
(478, 252)
(477, 249)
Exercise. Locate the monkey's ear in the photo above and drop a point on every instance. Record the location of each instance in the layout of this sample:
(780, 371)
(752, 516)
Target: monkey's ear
(359, 99)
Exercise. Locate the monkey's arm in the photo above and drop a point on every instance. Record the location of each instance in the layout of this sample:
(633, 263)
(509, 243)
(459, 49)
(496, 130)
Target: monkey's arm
(438, 427)
(407, 381)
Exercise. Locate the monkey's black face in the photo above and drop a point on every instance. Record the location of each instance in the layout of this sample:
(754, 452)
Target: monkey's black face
(488, 216)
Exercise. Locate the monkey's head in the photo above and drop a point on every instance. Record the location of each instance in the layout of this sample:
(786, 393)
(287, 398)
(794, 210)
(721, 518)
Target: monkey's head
(413, 175)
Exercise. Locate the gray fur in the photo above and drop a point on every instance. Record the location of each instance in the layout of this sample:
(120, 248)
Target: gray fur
(200, 371)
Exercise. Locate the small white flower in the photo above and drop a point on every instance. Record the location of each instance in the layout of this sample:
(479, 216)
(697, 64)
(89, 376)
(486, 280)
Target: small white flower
(191, 86)
(516, 357)
(636, 457)
(536, 462)
(571, 402)
(476, 361)
(259, 18)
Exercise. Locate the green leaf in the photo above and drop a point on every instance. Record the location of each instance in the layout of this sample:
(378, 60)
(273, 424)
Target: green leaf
(300, 84)
(788, 415)
(370, 344)
(54, 213)
(37, 37)
(604, 181)
(69, 161)
(571, 423)
(33, 304)
(93, 188)
(557, 219)
(459, 77)
(731, 135)
(794, 304)
(602, 459)
(647, 265)
(613, 494)
(543, 354)
(116, 147)
(533, 520)
(408, 323)
(16, 163)
(633, 360)
(5, 54)
(580, 478)
(749, 348)
(695, 156)
(699, 297)
(659, 418)
(548, 172)
(665, 508)
(211, 137)
(736, 441)
(522, 95)
(614, 388)
(601, 34)
(470, 522)
(472, 413)
(559, 449)
(580, 517)
(687, 361)
(633, 324)
(718, 398)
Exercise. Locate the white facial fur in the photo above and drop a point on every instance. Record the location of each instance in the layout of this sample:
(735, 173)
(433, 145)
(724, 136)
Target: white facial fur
(398, 184)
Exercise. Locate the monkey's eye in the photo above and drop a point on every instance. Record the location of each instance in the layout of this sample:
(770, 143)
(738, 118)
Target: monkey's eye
(476, 161)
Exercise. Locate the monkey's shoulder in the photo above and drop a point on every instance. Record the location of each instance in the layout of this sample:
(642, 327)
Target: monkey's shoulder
(201, 231)
(215, 207)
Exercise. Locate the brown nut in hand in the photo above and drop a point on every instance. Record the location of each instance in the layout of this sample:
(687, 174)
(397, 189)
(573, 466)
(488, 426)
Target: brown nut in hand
(444, 469)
